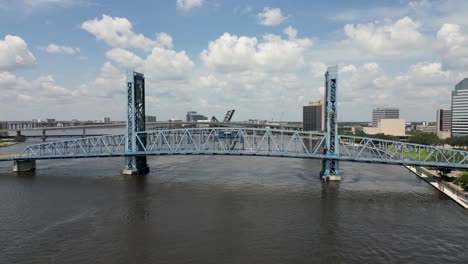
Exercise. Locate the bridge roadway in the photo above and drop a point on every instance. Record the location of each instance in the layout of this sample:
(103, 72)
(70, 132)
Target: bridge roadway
(248, 142)
(152, 125)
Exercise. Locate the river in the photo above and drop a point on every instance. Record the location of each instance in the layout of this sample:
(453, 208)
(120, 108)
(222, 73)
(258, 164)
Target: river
(219, 209)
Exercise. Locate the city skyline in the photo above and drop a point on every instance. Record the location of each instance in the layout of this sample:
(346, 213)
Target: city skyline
(67, 59)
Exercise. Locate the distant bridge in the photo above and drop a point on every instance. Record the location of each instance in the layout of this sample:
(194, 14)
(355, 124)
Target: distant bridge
(159, 124)
(249, 142)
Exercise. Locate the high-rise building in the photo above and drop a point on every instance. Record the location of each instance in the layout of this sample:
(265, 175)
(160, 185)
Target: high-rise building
(444, 120)
(106, 119)
(313, 116)
(193, 116)
(384, 113)
(460, 109)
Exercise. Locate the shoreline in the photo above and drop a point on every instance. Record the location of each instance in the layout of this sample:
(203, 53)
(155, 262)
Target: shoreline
(7, 144)
(428, 177)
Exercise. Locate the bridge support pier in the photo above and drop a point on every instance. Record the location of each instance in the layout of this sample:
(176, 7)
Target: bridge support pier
(24, 165)
(135, 166)
(330, 170)
(44, 137)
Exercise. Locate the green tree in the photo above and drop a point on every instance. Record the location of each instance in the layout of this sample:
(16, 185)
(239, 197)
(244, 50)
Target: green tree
(460, 142)
(19, 138)
(420, 137)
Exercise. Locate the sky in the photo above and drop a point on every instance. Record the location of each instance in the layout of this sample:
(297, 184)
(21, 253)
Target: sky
(67, 59)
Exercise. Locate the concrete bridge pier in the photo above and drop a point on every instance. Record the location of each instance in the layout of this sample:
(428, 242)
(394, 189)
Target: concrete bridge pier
(136, 165)
(24, 165)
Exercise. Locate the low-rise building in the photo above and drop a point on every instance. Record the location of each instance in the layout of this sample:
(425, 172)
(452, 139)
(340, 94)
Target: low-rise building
(384, 113)
(392, 127)
(193, 116)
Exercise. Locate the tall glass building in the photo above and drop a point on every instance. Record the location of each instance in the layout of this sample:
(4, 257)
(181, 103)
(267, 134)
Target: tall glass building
(460, 109)
(313, 116)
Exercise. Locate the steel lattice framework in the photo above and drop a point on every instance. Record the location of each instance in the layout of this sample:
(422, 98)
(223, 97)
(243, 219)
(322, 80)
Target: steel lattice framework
(330, 165)
(253, 142)
(135, 122)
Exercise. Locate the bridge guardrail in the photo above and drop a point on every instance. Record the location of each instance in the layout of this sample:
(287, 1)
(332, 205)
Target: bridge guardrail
(250, 141)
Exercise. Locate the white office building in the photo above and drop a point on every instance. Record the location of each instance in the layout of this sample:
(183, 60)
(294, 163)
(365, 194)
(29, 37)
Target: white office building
(460, 109)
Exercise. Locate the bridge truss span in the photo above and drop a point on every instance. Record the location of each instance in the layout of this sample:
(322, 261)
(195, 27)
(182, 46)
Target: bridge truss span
(250, 142)
(107, 145)
(361, 149)
(241, 141)
(196, 141)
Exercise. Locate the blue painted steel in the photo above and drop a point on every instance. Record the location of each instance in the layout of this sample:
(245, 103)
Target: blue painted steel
(250, 142)
(330, 165)
(135, 121)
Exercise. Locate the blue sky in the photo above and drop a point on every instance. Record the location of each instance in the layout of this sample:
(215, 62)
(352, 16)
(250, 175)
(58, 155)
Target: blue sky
(67, 59)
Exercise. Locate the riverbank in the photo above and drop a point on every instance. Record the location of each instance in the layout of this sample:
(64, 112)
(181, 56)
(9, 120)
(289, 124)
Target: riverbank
(4, 144)
(449, 189)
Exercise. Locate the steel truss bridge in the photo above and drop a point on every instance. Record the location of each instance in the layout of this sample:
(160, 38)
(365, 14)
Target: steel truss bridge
(139, 142)
(249, 142)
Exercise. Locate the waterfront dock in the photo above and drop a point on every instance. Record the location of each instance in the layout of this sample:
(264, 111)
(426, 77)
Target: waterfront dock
(454, 192)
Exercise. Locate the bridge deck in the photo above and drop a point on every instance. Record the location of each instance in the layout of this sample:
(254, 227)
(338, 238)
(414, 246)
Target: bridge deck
(249, 142)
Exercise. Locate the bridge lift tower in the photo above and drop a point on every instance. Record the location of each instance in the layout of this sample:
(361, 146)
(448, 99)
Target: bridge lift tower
(330, 165)
(135, 123)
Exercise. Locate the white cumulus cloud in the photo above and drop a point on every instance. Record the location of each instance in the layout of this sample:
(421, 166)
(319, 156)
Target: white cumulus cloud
(271, 16)
(418, 92)
(109, 83)
(165, 64)
(453, 46)
(124, 57)
(399, 38)
(14, 53)
(118, 32)
(19, 89)
(187, 5)
(58, 49)
(231, 53)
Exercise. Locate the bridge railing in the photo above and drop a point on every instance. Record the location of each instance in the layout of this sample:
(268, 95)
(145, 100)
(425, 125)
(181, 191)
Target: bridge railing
(387, 151)
(80, 147)
(251, 141)
(232, 140)
(242, 141)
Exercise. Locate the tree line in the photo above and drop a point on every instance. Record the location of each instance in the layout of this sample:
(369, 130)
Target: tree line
(419, 137)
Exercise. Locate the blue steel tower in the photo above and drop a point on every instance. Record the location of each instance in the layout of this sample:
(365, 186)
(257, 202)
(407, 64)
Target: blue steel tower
(330, 165)
(135, 123)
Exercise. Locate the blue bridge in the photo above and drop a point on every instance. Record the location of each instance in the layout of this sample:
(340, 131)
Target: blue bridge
(330, 147)
(249, 142)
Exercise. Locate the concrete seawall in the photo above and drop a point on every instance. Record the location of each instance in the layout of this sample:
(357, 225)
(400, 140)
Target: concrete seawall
(444, 187)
